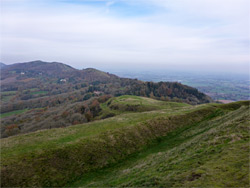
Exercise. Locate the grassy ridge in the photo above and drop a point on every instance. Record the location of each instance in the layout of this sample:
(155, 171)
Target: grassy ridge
(60, 156)
(128, 104)
(38, 141)
(212, 153)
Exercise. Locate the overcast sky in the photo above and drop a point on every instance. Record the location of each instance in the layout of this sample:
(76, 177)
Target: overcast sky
(208, 34)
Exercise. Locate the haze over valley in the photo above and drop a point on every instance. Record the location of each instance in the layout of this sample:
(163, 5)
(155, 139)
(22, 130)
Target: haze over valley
(221, 86)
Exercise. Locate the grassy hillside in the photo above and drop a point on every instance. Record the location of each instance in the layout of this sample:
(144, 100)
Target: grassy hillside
(212, 153)
(58, 137)
(128, 104)
(170, 145)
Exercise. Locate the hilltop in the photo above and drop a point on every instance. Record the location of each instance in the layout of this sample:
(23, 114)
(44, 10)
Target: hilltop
(146, 143)
(36, 69)
(40, 95)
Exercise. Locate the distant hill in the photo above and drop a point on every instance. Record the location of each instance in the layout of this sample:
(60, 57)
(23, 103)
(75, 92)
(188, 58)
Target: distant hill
(2, 65)
(35, 68)
(38, 70)
(40, 67)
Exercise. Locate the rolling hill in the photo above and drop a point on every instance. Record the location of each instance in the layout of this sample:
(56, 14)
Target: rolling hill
(39, 74)
(64, 127)
(146, 143)
(40, 95)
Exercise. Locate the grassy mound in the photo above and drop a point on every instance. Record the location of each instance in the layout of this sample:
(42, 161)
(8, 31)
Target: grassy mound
(59, 157)
(128, 104)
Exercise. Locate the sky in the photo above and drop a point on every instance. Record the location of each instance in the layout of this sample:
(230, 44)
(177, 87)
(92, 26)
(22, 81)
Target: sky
(128, 34)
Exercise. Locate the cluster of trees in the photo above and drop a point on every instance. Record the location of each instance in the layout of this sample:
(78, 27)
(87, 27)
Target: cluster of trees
(53, 117)
(162, 90)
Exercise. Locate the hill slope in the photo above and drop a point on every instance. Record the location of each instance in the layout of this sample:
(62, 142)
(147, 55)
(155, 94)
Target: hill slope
(41, 95)
(49, 76)
(2, 65)
(173, 145)
(212, 153)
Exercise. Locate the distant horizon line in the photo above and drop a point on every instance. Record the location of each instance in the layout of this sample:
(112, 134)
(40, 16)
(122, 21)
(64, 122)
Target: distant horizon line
(147, 68)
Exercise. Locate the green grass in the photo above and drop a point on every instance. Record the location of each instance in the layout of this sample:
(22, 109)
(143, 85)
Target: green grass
(38, 92)
(145, 102)
(212, 153)
(150, 148)
(37, 141)
(13, 113)
(128, 104)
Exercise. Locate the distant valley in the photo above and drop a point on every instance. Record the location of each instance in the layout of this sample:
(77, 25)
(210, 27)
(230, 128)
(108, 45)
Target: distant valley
(226, 87)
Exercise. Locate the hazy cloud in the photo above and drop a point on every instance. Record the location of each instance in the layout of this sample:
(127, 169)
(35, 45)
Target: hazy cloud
(98, 33)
